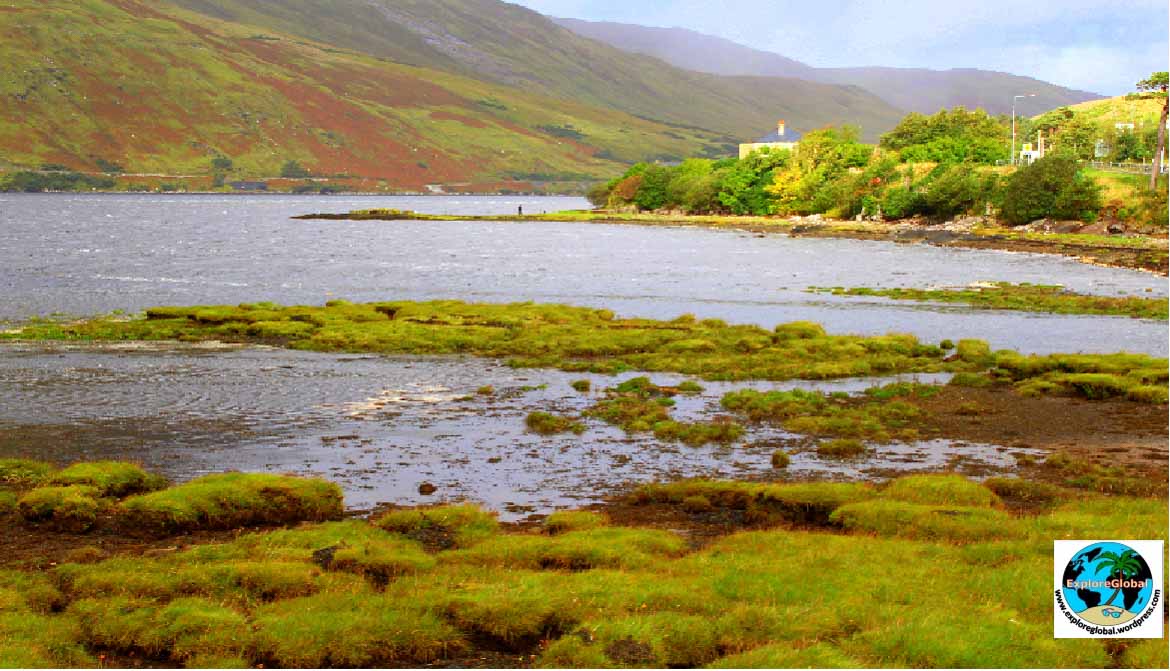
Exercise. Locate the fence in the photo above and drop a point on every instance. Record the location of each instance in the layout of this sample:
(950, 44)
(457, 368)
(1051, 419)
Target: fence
(1132, 168)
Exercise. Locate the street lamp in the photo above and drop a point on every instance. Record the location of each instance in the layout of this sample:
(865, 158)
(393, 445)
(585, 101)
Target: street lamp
(1014, 98)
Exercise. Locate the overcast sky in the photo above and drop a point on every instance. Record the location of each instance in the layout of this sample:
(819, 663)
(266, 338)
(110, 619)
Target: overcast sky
(1104, 46)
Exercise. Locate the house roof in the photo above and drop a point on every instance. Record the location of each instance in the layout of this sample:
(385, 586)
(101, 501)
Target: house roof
(789, 136)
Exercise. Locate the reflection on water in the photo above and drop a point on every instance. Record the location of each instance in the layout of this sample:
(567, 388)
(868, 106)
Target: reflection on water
(91, 254)
(380, 426)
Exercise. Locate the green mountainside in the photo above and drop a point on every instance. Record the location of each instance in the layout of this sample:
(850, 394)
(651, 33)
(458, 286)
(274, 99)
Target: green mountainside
(87, 84)
(509, 44)
(911, 89)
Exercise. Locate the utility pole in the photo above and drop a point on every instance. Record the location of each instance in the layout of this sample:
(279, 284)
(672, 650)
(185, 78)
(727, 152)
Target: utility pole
(1014, 98)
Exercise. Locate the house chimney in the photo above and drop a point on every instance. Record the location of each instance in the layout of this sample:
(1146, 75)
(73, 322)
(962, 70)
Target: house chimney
(780, 128)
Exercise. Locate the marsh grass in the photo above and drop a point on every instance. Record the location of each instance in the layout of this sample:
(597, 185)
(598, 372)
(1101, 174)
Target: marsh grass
(73, 508)
(639, 406)
(110, 478)
(527, 335)
(548, 424)
(24, 472)
(1026, 297)
(880, 415)
(927, 571)
(231, 500)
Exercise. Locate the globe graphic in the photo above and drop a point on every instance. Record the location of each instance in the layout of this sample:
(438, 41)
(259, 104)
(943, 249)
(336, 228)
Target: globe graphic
(1102, 604)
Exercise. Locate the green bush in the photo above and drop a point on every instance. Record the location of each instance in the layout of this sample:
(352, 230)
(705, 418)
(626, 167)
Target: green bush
(232, 500)
(1053, 187)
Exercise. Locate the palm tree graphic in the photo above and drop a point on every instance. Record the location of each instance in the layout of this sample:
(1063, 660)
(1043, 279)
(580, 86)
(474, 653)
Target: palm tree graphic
(1120, 566)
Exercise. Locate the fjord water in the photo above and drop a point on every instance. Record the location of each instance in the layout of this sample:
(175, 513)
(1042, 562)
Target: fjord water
(381, 425)
(92, 254)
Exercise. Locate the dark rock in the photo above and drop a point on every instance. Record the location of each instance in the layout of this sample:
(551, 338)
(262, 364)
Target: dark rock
(1116, 228)
(426, 489)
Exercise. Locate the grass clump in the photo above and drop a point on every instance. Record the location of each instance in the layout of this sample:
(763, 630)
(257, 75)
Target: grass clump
(1026, 297)
(110, 478)
(780, 459)
(1025, 491)
(232, 500)
(926, 522)
(1084, 474)
(842, 448)
(947, 490)
(564, 521)
(601, 547)
(442, 526)
(360, 630)
(7, 502)
(548, 424)
(381, 560)
(1135, 377)
(808, 502)
(178, 631)
(24, 472)
(638, 405)
(582, 386)
(74, 508)
(817, 414)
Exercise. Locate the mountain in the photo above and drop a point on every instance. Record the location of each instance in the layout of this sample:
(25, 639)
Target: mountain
(511, 45)
(158, 89)
(911, 89)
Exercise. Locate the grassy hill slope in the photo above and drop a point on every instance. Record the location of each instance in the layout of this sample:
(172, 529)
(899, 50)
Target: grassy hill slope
(509, 44)
(911, 89)
(158, 89)
(1141, 110)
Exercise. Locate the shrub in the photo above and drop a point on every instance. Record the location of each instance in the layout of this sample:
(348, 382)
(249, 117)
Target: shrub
(73, 508)
(231, 500)
(110, 478)
(1052, 187)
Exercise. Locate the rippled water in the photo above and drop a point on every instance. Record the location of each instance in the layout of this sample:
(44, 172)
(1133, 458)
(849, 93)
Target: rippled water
(90, 254)
(382, 425)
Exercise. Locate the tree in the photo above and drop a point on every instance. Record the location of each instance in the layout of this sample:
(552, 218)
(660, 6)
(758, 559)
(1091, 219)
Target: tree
(1052, 187)
(294, 169)
(1158, 82)
(1118, 567)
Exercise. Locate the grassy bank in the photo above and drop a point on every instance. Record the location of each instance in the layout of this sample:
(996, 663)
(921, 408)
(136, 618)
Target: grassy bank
(1023, 297)
(1137, 251)
(585, 339)
(955, 574)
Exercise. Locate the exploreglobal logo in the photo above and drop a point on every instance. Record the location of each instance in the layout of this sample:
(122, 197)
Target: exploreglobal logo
(1109, 589)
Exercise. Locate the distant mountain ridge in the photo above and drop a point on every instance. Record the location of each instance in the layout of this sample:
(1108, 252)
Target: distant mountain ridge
(910, 89)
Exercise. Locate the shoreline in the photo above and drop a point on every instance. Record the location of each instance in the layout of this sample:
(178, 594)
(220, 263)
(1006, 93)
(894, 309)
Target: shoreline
(1142, 253)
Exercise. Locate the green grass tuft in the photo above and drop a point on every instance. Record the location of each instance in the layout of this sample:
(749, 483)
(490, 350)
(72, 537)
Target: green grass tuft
(110, 478)
(74, 508)
(943, 490)
(233, 500)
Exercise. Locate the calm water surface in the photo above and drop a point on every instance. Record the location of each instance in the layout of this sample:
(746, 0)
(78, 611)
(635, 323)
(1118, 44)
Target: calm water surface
(382, 425)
